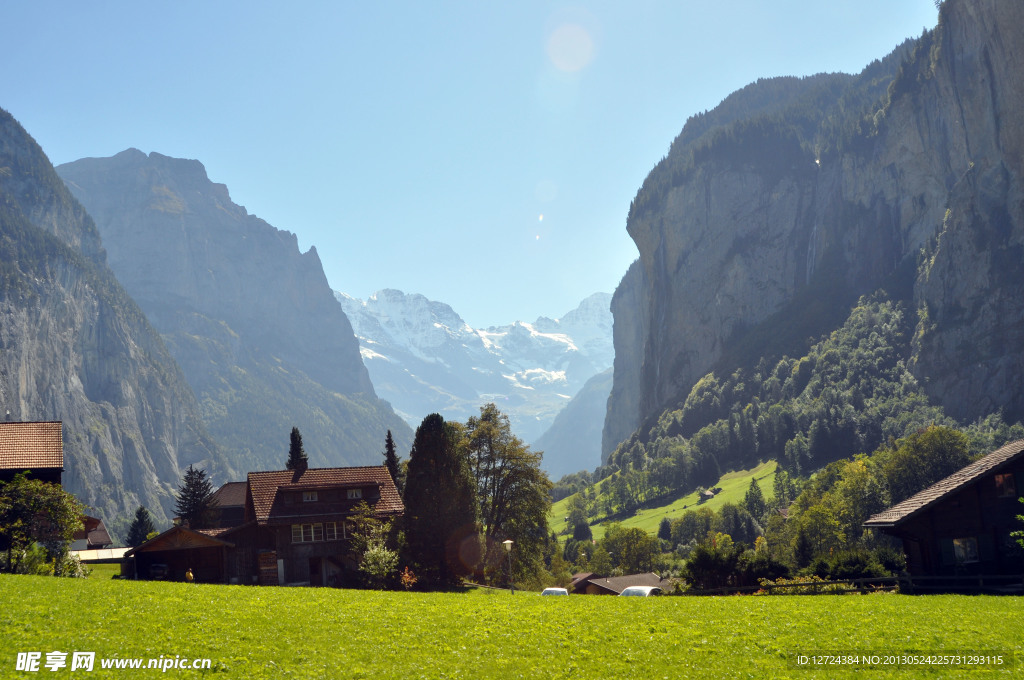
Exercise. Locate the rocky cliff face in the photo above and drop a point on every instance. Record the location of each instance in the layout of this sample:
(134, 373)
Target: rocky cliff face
(75, 347)
(424, 358)
(250, 319)
(789, 204)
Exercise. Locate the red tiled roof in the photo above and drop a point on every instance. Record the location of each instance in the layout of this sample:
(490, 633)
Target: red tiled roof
(939, 490)
(230, 494)
(25, 446)
(268, 503)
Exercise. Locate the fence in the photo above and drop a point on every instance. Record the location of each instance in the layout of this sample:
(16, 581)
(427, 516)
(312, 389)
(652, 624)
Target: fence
(859, 585)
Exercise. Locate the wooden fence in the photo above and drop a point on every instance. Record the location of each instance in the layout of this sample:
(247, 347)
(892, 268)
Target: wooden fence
(960, 583)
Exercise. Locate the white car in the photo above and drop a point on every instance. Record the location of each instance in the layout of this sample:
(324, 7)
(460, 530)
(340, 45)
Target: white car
(555, 591)
(641, 591)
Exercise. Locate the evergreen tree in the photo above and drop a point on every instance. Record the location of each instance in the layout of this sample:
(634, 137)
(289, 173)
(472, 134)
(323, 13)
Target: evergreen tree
(194, 502)
(141, 527)
(665, 529)
(754, 501)
(392, 463)
(296, 454)
(440, 507)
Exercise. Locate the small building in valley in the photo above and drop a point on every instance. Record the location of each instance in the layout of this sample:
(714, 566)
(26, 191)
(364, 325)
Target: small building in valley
(956, 533)
(589, 584)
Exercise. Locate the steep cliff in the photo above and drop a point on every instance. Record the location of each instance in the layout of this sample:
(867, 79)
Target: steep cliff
(792, 198)
(75, 347)
(250, 319)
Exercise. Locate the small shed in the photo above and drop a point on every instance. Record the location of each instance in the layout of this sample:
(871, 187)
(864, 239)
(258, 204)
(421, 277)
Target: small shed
(957, 531)
(169, 555)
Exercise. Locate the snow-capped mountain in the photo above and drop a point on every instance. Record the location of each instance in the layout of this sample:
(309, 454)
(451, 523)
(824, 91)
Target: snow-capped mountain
(423, 358)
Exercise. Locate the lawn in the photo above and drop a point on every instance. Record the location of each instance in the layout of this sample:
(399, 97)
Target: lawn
(252, 632)
(734, 487)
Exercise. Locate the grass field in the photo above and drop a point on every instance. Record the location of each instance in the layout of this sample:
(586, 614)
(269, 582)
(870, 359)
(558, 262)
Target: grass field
(734, 487)
(252, 632)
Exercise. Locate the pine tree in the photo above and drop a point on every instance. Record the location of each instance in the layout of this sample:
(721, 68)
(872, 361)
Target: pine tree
(392, 463)
(754, 501)
(194, 502)
(297, 459)
(141, 527)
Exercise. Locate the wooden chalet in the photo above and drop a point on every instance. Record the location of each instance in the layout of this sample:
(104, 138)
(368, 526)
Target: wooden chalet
(956, 533)
(293, 529)
(36, 448)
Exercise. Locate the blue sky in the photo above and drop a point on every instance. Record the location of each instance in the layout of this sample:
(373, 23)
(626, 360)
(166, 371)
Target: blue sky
(481, 153)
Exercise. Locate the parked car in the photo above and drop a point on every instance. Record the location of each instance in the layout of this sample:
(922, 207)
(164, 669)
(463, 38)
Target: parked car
(555, 591)
(641, 591)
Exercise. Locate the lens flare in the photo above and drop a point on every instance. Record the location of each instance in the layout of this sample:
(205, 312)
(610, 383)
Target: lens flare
(570, 47)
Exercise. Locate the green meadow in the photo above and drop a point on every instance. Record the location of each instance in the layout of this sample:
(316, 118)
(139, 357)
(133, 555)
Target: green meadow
(734, 487)
(253, 632)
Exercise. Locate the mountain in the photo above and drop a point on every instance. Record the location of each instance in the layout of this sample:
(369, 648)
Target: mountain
(249, 318)
(773, 213)
(75, 347)
(424, 358)
(573, 442)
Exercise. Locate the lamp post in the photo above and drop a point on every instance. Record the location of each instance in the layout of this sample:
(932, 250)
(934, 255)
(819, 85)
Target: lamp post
(508, 549)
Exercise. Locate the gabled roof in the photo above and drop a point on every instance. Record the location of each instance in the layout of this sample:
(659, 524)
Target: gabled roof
(25, 446)
(178, 538)
(94, 532)
(267, 501)
(990, 464)
(231, 494)
(616, 584)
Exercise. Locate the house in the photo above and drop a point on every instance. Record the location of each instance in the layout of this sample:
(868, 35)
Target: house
(589, 584)
(293, 529)
(36, 447)
(957, 531)
(92, 536)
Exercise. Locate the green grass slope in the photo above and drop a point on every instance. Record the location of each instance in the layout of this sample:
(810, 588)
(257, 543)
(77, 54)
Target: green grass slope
(734, 487)
(253, 632)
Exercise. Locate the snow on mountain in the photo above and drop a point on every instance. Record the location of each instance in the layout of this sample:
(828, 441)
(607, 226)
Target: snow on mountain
(424, 358)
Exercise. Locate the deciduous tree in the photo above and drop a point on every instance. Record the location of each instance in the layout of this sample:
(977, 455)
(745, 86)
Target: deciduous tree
(33, 511)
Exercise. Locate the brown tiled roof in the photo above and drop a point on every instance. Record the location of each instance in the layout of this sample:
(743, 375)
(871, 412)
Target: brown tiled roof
(94, 532)
(268, 503)
(179, 538)
(25, 446)
(230, 495)
(956, 481)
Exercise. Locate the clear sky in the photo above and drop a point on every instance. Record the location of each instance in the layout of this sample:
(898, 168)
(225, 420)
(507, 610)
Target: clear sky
(481, 153)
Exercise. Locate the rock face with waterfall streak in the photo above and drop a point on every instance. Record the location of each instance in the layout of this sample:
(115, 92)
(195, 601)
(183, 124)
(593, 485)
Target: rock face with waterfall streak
(796, 195)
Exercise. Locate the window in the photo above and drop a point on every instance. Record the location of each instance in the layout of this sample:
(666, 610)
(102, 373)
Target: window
(308, 496)
(307, 533)
(355, 494)
(331, 531)
(965, 550)
(1005, 485)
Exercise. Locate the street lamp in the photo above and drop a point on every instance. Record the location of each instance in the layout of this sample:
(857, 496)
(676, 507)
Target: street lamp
(508, 549)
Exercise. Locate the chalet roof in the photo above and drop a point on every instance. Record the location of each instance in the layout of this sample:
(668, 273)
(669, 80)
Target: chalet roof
(231, 494)
(25, 446)
(943, 488)
(94, 532)
(178, 538)
(265, 487)
(617, 584)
